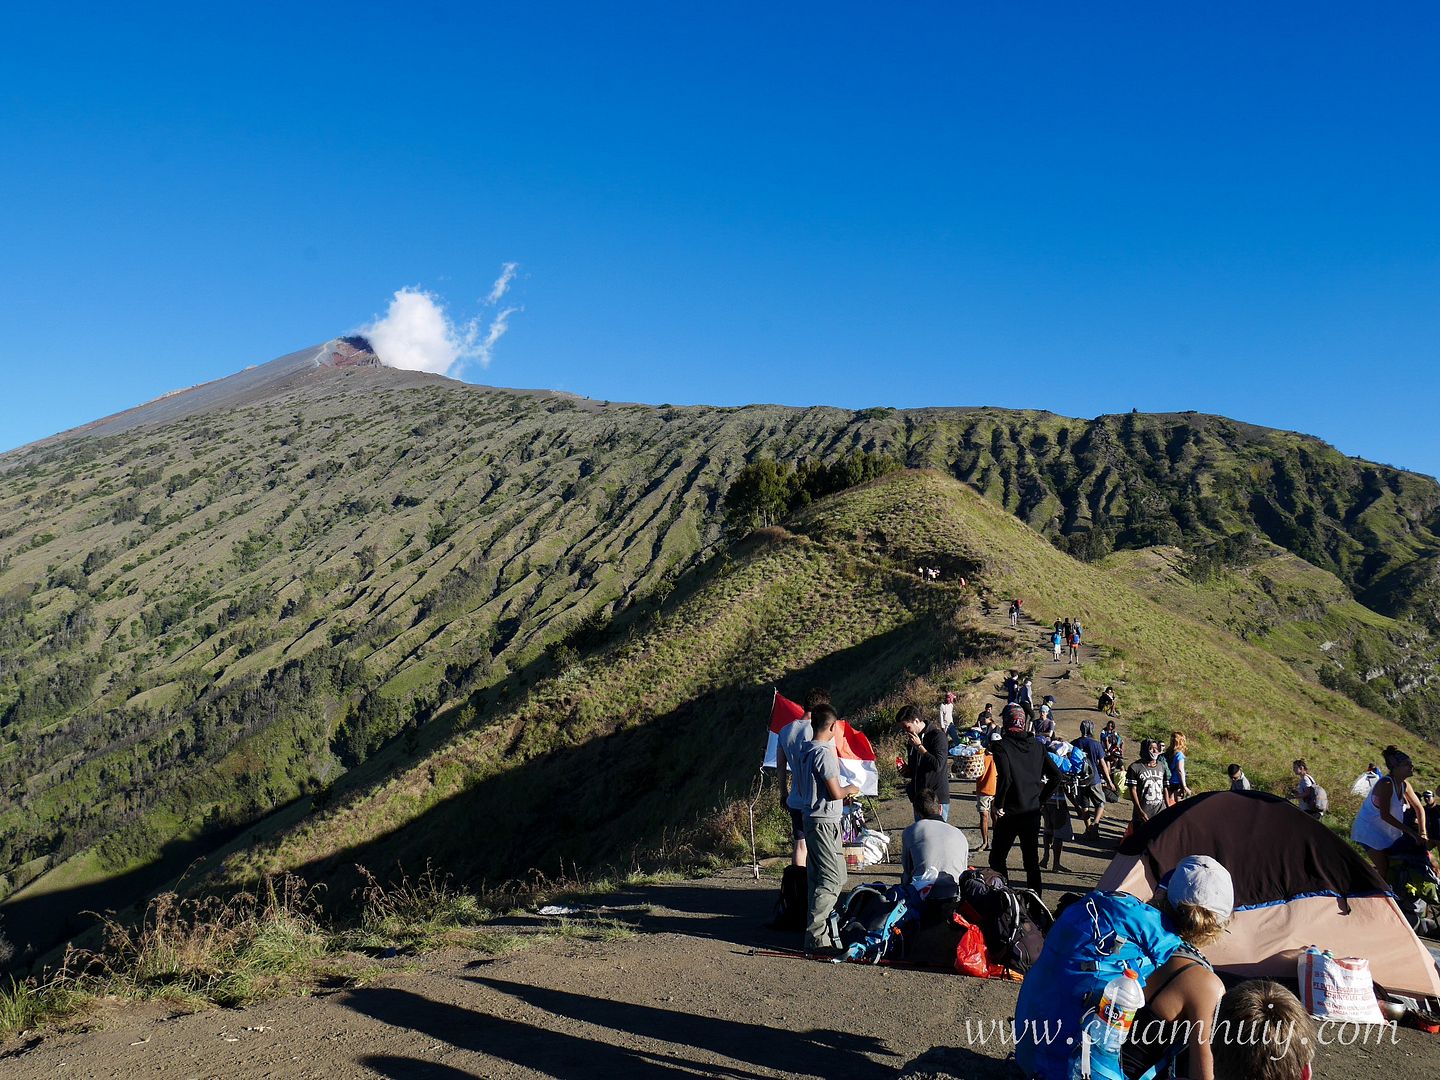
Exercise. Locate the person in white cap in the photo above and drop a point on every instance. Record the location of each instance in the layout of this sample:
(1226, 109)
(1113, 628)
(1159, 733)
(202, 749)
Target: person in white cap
(1197, 900)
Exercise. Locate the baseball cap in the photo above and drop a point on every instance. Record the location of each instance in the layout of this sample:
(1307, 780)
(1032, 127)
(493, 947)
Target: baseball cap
(1200, 880)
(1427, 794)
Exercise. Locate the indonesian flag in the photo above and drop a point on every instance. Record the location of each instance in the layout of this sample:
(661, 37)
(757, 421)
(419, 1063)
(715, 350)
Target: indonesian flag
(782, 711)
(852, 749)
(857, 759)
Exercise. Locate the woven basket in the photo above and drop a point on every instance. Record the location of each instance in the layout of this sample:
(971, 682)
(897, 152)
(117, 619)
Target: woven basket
(970, 768)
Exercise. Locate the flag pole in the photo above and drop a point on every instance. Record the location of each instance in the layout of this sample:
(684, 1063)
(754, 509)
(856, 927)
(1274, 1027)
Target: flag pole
(759, 790)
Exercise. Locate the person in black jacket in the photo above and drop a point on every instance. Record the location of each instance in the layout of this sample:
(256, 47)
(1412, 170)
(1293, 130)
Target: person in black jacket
(927, 763)
(1025, 779)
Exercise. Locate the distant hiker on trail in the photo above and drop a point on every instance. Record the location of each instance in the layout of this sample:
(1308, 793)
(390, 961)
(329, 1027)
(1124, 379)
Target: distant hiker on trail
(1057, 644)
(927, 763)
(1380, 827)
(1014, 614)
(817, 778)
(1308, 794)
(1238, 780)
(1025, 779)
(947, 715)
(1066, 631)
(791, 745)
(1114, 744)
(1026, 698)
(1107, 703)
(1074, 647)
(1092, 797)
(1012, 688)
(985, 796)
(1045, 725)
(1146, 778)
(1262, 1032)
(931, 848)
(1175, 758)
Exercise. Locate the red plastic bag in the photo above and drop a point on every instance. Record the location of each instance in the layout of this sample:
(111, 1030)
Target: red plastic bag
(971, 956)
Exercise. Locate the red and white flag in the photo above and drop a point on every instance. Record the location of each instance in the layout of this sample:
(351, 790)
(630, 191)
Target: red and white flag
(853, 750)
(857, 759)
(782, 711)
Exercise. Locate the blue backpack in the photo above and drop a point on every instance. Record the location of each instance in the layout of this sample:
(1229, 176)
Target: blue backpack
(868, 925)
(1093, 941)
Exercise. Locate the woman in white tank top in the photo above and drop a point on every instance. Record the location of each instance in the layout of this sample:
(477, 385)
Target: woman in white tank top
(1381, 821)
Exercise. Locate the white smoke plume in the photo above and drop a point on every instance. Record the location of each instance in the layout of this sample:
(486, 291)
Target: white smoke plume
(498, 326)
(502, 284)
(417, 333)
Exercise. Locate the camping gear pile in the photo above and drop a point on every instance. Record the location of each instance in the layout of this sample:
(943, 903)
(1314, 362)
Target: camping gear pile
(863, 846)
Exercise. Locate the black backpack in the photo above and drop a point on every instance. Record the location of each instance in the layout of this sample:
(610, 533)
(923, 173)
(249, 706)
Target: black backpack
(1013, 921)
(792, 907)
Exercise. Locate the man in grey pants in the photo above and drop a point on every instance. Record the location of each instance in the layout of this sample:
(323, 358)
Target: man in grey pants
(817, 787)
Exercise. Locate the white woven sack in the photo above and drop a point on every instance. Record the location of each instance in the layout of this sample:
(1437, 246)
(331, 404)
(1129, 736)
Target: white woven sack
(1338, 988)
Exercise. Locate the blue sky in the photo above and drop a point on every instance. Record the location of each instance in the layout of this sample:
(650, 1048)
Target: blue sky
(1230, 208)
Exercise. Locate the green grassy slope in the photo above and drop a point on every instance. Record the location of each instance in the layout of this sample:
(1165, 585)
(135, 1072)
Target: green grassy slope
(204, 622)
(1305, 616)
(648, 741)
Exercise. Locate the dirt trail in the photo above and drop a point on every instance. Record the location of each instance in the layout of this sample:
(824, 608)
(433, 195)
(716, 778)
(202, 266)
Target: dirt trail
(696, 992)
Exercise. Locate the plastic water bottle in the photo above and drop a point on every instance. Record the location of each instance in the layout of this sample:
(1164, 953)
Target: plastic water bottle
(1109, 1025)
(1121, 1000)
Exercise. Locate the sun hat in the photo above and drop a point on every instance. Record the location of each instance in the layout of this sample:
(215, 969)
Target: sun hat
(1200, 880)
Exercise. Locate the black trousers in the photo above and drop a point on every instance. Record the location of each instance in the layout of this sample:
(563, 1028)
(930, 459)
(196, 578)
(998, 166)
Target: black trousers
(1023, 828)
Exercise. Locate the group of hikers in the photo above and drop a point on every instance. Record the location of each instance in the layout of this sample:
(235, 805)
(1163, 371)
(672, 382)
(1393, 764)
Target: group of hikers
(1182, 994)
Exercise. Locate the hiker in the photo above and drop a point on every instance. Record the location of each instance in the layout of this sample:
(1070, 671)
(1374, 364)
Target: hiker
(1114, 744)
(1075, 624)
(947, 716)
(932, 849)
(1146, 780)
(1099, 937)
(1107, 703)
(1238, 780)
(1074, 647)
(1045, 726)
(1306, 791)
(1026, 697)
(1091, 801)
(790, 744)
(985, 796)
(1175, 758)
(987, 716)
(1262, 1032)
(1025, 778)
(927, 763)
(1196, 901)
(1055, 830)
(1014, 614)
(1432, 813)
(1380, 827)
(1066, 630)
(1011, 688)
(1057, 644)
(817, 779)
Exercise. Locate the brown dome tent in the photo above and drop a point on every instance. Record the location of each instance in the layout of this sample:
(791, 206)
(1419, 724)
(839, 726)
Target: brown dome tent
(1296, 884)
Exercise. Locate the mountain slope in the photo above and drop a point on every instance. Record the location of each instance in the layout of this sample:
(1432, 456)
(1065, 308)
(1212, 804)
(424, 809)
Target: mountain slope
(219, 604)
(648, 739)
